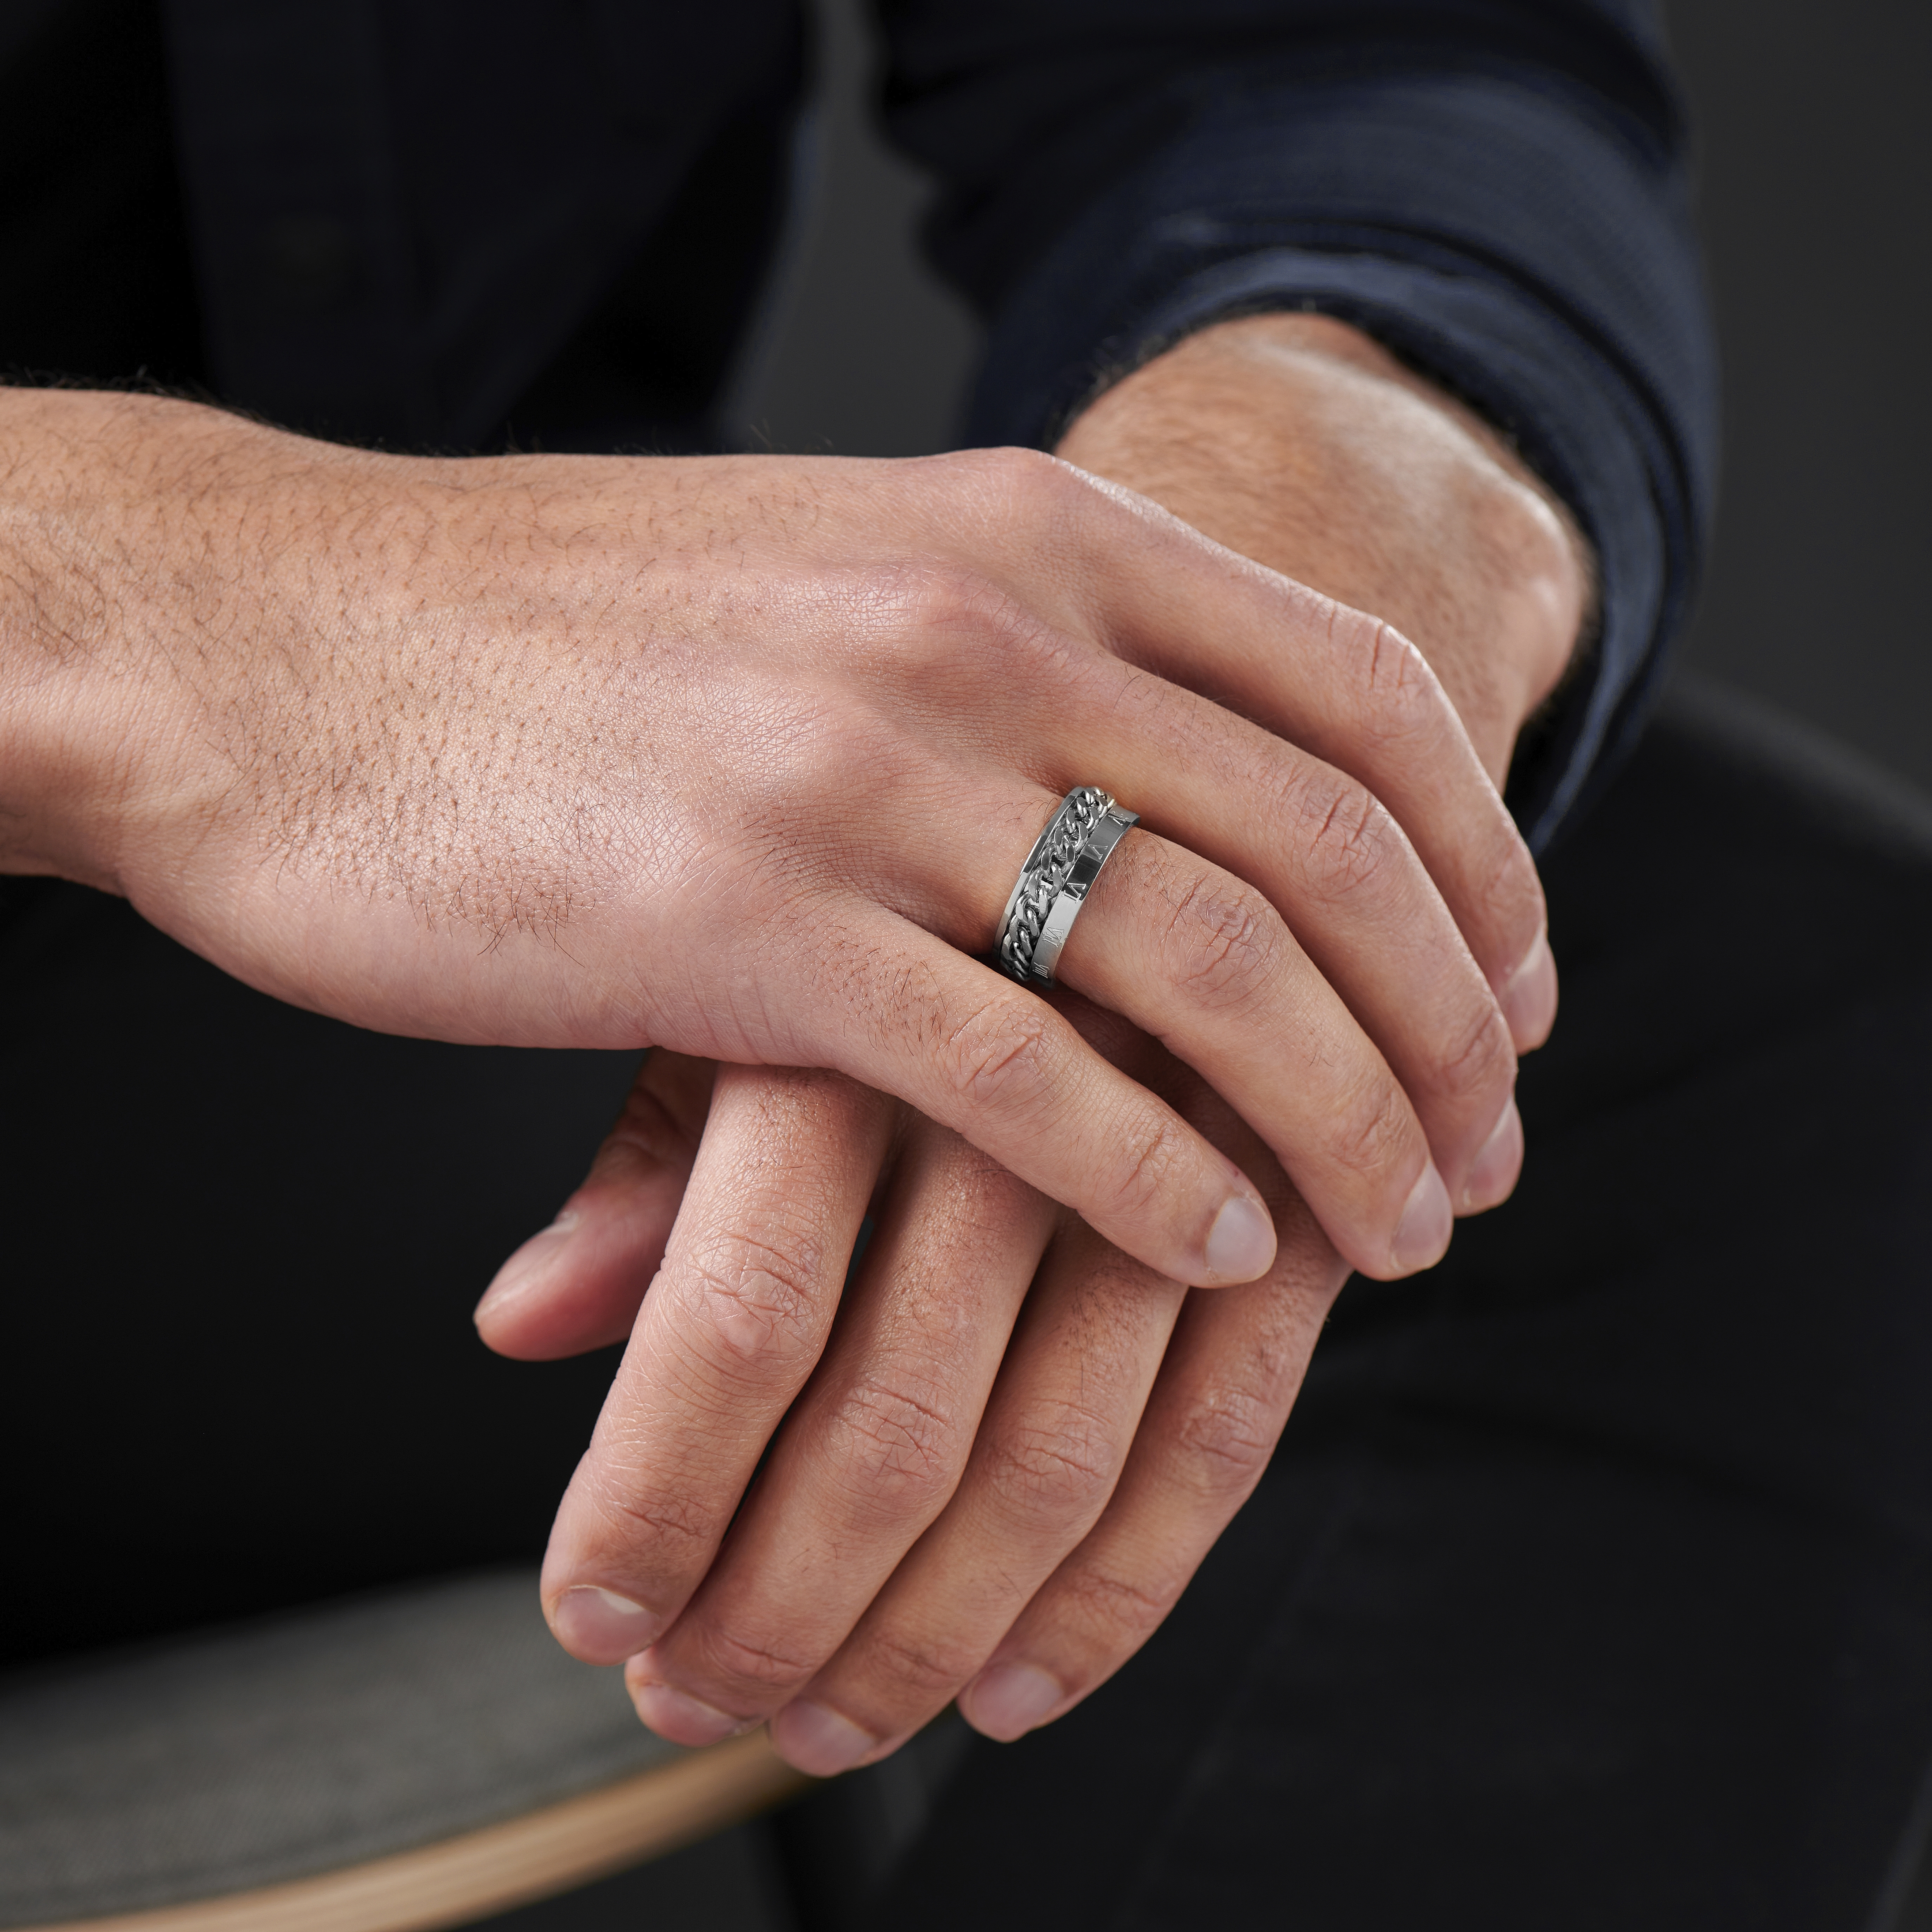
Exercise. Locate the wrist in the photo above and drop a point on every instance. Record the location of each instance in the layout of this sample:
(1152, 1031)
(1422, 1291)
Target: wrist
(1301, 442)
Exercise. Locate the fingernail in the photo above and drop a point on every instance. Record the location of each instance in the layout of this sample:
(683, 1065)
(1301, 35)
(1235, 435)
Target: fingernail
(1492, 1173)
(684, 1719)
(1010, 1699)
(1529, 996)
(819, 1741)
(528, 1264)
(1241, 1244)
(1423, 1238)
(600, 1626)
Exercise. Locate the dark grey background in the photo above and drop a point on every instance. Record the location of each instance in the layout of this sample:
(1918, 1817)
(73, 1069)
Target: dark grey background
(1816, 160)
(1816, 166)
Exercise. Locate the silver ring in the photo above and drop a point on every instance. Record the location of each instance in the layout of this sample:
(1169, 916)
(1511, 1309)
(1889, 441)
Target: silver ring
(1054, 883)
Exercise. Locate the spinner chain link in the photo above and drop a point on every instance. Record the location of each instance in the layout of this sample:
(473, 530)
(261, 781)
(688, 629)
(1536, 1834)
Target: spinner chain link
(1045, 872)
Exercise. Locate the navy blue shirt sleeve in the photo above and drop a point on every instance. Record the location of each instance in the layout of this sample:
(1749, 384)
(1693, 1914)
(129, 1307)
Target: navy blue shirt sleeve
(1496, 189)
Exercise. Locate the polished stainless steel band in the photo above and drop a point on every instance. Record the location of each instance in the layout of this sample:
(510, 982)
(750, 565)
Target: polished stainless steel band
(1054, 883)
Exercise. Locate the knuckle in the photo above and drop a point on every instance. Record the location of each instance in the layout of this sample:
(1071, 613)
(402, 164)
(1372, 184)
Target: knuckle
(923, 1669)
(765, 1670)
(1004, 1055)
(657, 1531)
(647, 1137)
(1224, 942)
(1347, 838)
(944, 600)
(1373, 1133)
(758, 1301)
(1115, 1610)
(1027, 479)
(1155, 1155)
(959, 629)
(1507, 882)
(1482, 1059)
(1225, 1441)
(1056, 1464)
(900, 1454)
(1049, 506)
(1401, 698)
(1393, 695)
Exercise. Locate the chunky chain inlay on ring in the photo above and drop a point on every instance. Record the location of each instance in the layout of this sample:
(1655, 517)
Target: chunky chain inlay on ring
(1054, 883)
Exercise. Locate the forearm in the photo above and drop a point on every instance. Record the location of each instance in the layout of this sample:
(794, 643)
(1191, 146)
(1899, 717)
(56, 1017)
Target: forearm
(1298, 441)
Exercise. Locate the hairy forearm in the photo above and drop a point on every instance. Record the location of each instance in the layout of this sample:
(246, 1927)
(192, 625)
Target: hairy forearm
(1301, 443)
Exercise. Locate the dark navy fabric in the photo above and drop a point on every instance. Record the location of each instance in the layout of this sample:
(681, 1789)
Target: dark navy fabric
(475, 224)
(403, 213)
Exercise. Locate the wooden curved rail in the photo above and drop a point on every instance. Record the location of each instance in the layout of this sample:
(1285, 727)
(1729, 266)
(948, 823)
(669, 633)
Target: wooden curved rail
(523, 1858)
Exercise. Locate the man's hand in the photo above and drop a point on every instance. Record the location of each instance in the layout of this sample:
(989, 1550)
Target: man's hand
(921, 1528)
(989, 1466)
(741, 756)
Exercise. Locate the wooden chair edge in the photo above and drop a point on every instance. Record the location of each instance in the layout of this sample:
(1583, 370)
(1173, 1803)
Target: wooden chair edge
(502, 1865)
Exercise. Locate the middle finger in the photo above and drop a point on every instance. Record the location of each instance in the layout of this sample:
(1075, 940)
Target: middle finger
(1052, 1446)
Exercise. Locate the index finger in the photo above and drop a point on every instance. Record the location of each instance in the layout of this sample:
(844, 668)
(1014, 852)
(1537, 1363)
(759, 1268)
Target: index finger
(730, 1329)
